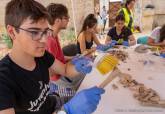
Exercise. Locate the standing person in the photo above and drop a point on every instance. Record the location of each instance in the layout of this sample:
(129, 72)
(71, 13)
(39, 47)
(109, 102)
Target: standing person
(87, 35)
(120, 34)
(157, 37)
(58, 21)
(100, 23)
(104, 17)
(127, 11)
(24, 72)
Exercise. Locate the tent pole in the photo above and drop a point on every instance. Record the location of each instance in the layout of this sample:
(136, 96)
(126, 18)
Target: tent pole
(74, 21)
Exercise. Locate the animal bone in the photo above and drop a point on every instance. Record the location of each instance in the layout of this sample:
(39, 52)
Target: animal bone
(145, 96)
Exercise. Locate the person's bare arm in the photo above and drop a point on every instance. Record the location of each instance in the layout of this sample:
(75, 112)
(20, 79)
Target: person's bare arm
(8, 111)
(68, 58)
(81, 40)
(95, 39)
(108, 39)
(67, 69)
(132, 40)
(162, 51)
(151, 42)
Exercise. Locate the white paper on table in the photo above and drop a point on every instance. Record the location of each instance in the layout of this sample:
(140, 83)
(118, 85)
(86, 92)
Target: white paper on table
(121, 101)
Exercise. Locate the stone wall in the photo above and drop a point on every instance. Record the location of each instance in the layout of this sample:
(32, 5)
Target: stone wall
(159, 18)
(147, 15)
(156, 16)
(2, 11)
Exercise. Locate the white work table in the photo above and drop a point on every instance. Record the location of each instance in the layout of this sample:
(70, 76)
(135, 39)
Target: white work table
(121, 100)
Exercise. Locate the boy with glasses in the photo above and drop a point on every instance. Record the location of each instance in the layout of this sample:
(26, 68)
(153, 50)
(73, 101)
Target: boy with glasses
(24, 72)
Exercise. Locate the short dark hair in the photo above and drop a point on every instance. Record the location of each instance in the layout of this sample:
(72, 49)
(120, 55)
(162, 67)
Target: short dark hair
(98, 13)
(56, 11)
(120, 17)
(19, 10)
(128, 2)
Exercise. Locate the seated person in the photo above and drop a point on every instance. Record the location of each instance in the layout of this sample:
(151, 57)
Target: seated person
(87, 35)
(157, 37)
(120, 33)
(65, 86)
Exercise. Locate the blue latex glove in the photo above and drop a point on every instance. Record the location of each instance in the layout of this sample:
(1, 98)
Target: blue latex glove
(85, 102)
(113, 43)
(102, 47)
(75, 59)
(82, 64)
(78, 58)
(125, 43)
(162, 55)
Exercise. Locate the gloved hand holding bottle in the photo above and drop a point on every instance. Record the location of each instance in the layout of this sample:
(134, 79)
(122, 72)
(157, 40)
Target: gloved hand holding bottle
(85, 102)
(82, 64)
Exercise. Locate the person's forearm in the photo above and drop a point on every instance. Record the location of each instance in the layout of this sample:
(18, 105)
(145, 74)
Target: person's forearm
(162, 51)
(157, 44)
(107, 41)
(131, 43)
(8, 111)
(89, 51)
(68, 58)
(70, 70)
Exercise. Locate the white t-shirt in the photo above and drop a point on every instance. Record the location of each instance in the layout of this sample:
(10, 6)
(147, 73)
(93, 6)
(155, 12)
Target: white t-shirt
(155, 35)
(99, 20)
(104, 14)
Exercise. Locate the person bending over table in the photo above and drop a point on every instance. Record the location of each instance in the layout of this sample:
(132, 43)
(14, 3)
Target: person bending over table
(157, 37)
(87, 35)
